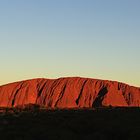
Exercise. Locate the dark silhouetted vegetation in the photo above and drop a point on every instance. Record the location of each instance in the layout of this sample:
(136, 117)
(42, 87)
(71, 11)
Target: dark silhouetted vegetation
(32, 123)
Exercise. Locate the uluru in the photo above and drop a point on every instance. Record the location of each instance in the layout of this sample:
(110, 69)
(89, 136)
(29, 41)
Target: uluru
(69, 92)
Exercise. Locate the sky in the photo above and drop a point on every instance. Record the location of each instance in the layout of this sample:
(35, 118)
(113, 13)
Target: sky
(63, 38)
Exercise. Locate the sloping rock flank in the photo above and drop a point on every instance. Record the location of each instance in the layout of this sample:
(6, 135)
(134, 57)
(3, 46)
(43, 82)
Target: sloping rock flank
(72, 92)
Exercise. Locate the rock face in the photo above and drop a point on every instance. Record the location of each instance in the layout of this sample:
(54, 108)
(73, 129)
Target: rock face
(72, 92)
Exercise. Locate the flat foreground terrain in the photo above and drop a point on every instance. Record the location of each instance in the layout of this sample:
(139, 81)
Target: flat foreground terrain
(99, 124)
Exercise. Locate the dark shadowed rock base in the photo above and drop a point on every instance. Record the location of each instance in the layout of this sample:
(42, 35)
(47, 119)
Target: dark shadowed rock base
(99, 124)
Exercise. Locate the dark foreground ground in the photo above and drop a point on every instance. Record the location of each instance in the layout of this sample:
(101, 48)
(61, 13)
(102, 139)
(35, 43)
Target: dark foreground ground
(100, 124)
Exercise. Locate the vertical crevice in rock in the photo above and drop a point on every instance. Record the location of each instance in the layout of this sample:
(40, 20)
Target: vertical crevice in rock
(24, 100)
(100, 97)
(40, 91)
(129, 98)
(61, 94)
(15, 94)
(52, 88)
(81, 91)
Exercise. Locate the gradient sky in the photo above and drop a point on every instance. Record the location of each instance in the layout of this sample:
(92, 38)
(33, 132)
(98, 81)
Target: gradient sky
(56, 38)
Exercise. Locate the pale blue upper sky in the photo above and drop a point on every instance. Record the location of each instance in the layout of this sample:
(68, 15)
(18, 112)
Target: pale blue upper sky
(56, 38)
